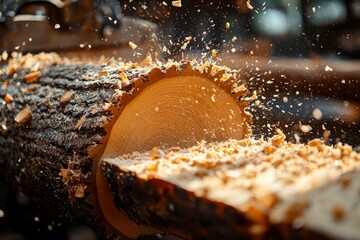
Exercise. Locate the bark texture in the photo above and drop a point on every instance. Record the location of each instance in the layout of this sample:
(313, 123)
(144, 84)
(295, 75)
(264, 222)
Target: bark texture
(55, 119)
(33, 154)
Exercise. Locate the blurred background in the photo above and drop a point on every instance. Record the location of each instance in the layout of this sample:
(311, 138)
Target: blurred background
(301, 57)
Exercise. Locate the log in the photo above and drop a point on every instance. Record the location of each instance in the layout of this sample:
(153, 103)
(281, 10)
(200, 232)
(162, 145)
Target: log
(59, 119)
(242, 189)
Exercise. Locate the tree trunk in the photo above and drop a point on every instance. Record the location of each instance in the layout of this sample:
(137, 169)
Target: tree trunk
(56, 119)
(33, 153)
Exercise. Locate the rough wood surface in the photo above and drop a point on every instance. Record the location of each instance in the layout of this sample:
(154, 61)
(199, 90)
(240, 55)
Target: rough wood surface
(242, 189)
(33, 153)
(55, 117)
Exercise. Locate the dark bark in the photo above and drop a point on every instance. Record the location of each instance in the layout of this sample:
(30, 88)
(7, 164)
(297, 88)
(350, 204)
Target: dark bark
(33, 154)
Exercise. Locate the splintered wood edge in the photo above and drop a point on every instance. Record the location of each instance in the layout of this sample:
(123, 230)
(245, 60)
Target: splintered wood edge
(137, 79)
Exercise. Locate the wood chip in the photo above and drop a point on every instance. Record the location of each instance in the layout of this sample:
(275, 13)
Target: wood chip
(227, 25)
(4, 56)
(80, 123)
(214, 53)
(32, 77)
(305, 128)
(103, 74)
(155, 153)
(64, 173)
(132, 45)
(66, 98)
(124, 78)
(249, 5)
(8, 98)
(280, 133)
(184, 46)
(23, 116)
(152, 166)
(146, 62)
(4, 84)
(176, 3)
(80, 191)
(328, 69)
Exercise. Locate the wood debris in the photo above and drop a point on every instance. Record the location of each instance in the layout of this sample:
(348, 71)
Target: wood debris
(146, 62)
(132, 45)
(214, 53)
(80, 123)
(227, 25)
(8, 98)
(328, 69)
(80, 191)
(176, 3)
(65, 99)
(103, 73)
(124, 78)
(4, 56)
(23, 116)
(184, 46)
(32, 77)
(249, 5)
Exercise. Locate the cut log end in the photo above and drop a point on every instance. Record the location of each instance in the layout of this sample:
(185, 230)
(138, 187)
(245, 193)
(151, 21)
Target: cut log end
(171, 110)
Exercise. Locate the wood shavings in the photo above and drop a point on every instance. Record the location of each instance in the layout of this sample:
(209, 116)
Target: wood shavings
(328, 69)
(214, 53)
(80, 123)
(32, 62)
(176, 3)
(4, 56)
(124, 78)
(248, 5)
(23, 116)
(65, 99)
(280, 133)
(80, 191)
(32, 77)
(8, 98)
(227, 25)
(146, 62)
(184, 46)
(305, 128)
(132, 45)
(317, 114)
(103, 73)
(155, 153)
